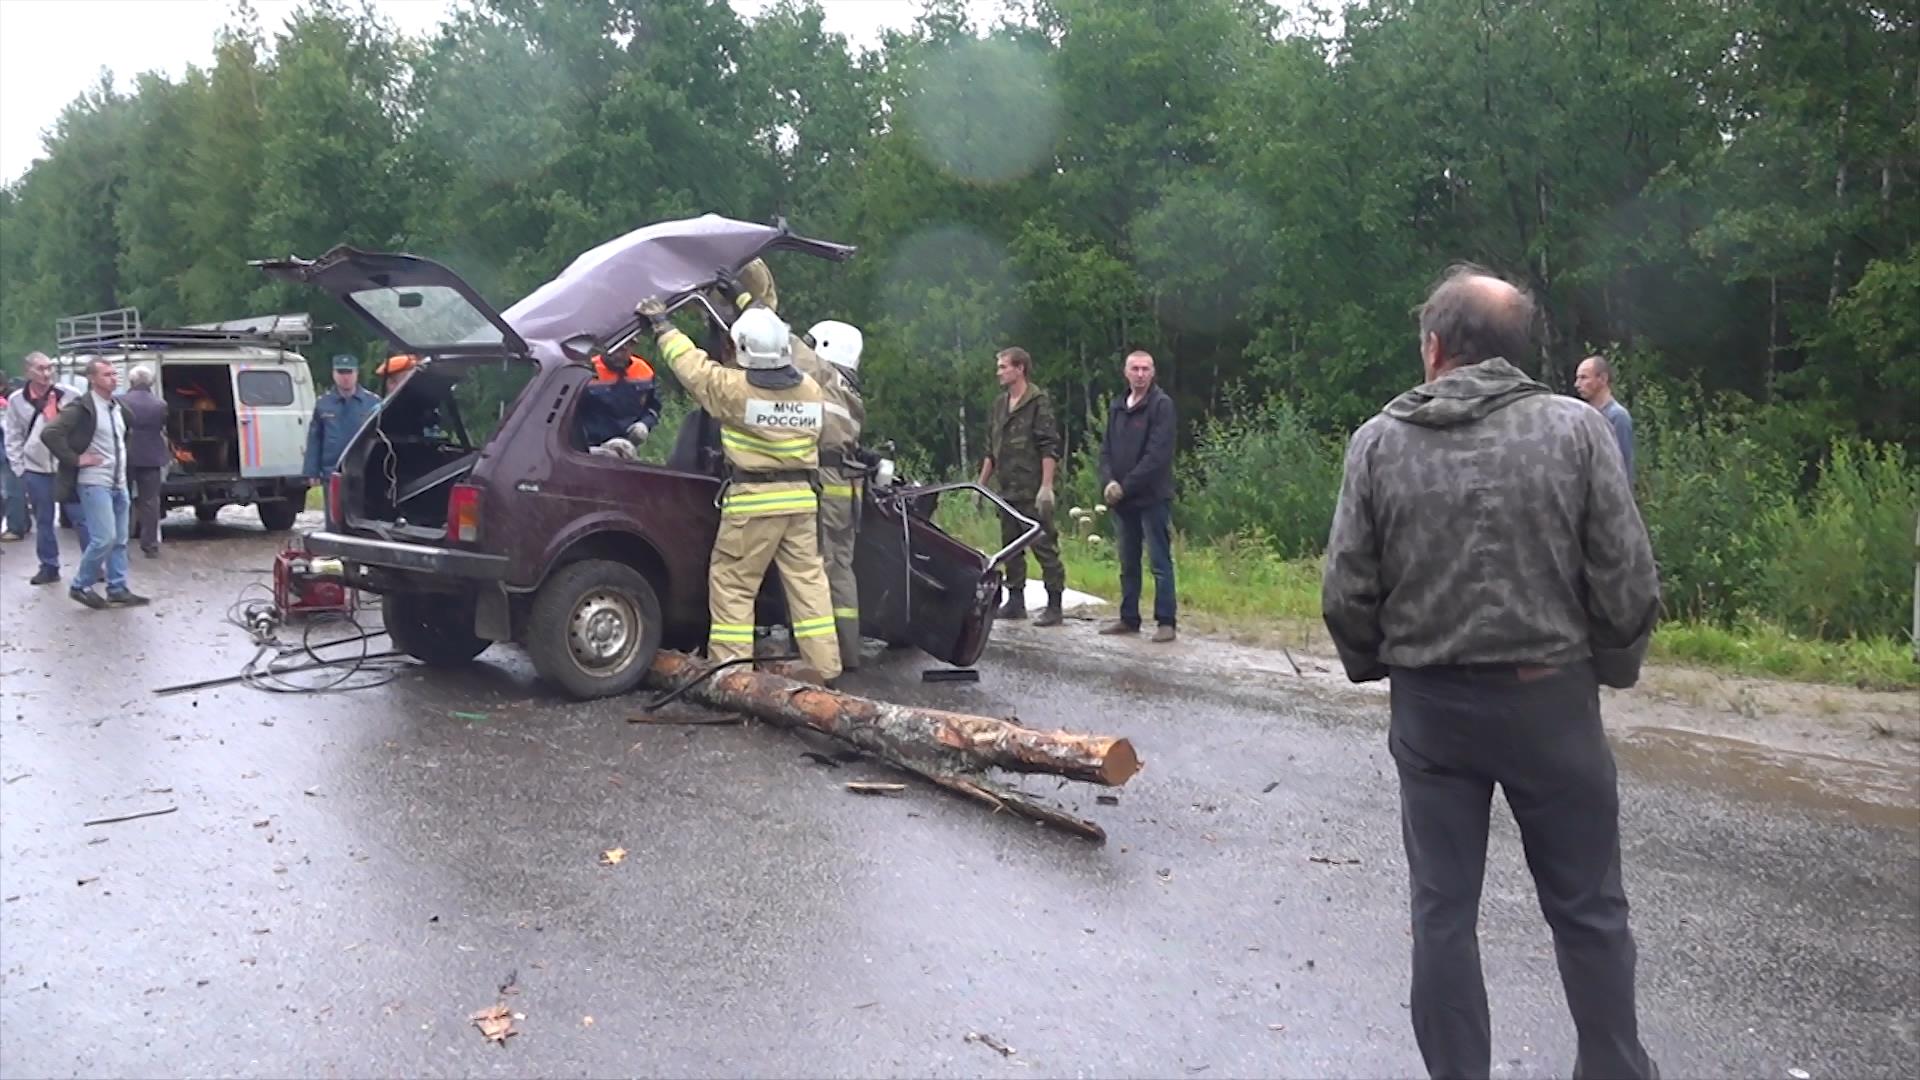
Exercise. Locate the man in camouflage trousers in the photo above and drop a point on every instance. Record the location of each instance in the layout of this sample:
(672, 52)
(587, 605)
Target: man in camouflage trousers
(770, 419)
(1487, 557)
(1023, 452)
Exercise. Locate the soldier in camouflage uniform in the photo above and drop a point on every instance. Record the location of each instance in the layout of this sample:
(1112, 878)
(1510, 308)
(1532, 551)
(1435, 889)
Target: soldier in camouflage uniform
(1488, 558)
(1023, 451)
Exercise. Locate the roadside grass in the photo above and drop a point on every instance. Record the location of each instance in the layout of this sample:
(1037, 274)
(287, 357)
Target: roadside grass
(1240, 589)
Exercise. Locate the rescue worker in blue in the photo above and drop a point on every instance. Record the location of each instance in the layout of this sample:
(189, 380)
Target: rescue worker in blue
(620, 407)
(337, 416)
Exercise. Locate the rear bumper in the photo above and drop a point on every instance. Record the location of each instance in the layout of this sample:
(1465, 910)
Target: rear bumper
(414, 558)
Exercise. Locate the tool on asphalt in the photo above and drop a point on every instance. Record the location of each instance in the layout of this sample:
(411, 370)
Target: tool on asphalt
(936, 675)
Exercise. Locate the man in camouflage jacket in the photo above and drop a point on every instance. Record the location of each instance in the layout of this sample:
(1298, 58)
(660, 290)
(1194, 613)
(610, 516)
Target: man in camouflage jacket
(1023, 451)
(1488, 558)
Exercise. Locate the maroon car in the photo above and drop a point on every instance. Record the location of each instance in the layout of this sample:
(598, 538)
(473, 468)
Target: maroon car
(470, 502)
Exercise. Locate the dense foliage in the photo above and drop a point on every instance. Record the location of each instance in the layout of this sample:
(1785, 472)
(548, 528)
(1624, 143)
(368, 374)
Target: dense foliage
(1724, 196)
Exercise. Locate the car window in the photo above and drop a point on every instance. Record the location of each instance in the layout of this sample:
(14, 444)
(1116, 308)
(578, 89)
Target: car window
(424, 316)
(265, 388)
(486, 394)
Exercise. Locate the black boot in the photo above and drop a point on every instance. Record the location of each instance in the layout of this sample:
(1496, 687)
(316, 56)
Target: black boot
(1052, 615)
(1014, 608)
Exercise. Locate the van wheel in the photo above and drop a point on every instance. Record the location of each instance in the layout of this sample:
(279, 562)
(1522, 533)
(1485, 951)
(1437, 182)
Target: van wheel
(278, 514)
(594, 628)
(433, 628)
(206, 512)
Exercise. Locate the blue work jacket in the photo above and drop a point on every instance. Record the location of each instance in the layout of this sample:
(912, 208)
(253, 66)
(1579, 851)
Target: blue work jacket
(335, 421)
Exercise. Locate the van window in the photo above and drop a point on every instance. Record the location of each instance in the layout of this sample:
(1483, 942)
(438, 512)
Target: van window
(266, 388)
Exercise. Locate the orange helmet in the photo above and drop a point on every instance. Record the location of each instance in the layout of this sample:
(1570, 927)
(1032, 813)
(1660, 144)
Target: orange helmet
(394, 365)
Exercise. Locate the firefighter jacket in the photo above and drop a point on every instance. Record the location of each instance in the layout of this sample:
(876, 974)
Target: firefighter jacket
(770, 435)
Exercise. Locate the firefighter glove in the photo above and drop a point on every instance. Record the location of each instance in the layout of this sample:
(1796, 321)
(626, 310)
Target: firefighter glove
(655, 312)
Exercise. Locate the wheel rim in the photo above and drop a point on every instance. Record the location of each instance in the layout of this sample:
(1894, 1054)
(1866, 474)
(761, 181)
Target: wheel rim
(604, 632)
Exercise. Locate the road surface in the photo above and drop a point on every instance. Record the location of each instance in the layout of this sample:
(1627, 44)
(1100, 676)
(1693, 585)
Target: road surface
(347, 878)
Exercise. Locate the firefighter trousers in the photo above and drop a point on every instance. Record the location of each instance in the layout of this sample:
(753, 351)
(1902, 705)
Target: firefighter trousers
(742, 549)
(839, 523)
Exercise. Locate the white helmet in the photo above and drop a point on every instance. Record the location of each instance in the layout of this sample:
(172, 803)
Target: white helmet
(837, 343)
(762, 341)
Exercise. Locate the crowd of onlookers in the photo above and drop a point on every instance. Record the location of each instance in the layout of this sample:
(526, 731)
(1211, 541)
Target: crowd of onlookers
(79, 454)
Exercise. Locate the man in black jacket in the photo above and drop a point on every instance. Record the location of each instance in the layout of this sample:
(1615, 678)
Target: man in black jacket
(1136, 477)
(147, 456)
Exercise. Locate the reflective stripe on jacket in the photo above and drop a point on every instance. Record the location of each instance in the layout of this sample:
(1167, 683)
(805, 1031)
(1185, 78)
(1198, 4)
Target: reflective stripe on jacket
(761, 430)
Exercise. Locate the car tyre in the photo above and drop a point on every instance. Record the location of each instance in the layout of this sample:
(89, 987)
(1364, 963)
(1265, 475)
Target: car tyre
(594, 628)
(277, 515)
(433, 628)
(206, 512)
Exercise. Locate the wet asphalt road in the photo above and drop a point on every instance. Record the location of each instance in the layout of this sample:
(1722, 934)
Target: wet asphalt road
(347, 877)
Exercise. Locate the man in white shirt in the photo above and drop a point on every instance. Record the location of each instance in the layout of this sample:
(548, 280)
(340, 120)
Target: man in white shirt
(89, 441)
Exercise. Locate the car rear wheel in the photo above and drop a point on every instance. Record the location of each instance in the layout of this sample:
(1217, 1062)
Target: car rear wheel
(277, 515)
(594, 628)
(433, 628)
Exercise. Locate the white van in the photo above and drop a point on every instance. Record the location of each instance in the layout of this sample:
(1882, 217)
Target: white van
(239, 399)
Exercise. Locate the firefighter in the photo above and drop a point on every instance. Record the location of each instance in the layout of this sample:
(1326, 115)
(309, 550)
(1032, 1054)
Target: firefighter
(770, 417)
(839, 344)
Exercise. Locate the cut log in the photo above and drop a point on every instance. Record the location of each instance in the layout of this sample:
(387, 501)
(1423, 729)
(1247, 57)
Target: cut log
(951, 749)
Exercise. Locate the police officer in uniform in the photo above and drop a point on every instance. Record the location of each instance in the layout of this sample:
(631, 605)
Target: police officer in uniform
(770, 417)
(336, 417)
(839, 344)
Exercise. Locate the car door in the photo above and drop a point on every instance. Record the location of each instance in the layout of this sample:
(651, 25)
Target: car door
(920, 586)
(271, 421)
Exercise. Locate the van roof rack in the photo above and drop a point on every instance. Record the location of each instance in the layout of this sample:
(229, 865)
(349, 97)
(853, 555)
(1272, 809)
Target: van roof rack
(121, 328)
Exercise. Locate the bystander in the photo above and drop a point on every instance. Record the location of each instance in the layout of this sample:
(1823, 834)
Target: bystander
(1136, 480)
(147, 456)
(1593, 381)
(89, 442)
(1487, 557)
(29, 410)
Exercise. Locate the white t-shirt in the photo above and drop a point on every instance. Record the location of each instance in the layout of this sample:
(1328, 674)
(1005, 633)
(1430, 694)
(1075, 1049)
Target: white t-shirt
(110, 442)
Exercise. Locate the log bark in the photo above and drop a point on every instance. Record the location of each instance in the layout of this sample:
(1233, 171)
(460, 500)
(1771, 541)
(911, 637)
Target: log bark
(952, 749)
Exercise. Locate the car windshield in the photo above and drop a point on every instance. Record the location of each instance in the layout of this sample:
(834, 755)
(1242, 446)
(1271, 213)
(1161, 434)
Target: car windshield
(429, 316)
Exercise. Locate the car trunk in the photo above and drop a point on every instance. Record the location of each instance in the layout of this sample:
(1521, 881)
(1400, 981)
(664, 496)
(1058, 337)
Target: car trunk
(201, 420)
(426, 438)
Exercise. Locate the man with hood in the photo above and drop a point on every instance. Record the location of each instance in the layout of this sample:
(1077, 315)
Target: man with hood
(770, 417)
(1488, 558)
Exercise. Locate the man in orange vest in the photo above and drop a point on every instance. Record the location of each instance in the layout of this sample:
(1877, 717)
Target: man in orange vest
(620, 404)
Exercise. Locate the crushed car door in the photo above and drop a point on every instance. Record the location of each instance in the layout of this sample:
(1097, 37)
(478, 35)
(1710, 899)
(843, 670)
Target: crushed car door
(919, 585)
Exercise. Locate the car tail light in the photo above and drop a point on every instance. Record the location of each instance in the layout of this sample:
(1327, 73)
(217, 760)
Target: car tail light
(463, 514)
(336, 506)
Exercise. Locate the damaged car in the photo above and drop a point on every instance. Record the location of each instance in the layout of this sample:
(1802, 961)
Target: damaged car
(471, 503)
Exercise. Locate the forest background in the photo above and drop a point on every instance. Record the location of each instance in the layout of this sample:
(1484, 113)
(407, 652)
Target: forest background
(1723, 197)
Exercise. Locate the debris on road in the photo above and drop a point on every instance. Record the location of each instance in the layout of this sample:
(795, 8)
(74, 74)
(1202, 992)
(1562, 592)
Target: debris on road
(88, 880)
(953, 750)
(472, 717)
(871, 787)
(132, 817)
(1325, 860)
(612, 856)
(820, 759)
(1107, 800)
(1268, 790)
(495, 1022)
(990, 1043)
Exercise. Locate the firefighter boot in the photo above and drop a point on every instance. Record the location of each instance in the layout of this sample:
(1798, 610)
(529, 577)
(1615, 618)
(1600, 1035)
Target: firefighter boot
(1015, 607)
(1052, 615)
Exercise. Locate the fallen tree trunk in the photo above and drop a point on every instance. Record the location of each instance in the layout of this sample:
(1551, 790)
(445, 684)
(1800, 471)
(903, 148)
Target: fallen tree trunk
(952, 749)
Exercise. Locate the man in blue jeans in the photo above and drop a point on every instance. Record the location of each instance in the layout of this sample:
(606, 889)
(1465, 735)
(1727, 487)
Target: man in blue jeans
(89, 441)
(28, 411)
(1136, 477)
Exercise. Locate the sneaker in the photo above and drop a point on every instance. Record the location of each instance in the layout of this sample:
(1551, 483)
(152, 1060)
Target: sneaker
(1117, 627)
(129, 598)
(45, 577)
(89, 598)
(1163, 634)
(10, 536)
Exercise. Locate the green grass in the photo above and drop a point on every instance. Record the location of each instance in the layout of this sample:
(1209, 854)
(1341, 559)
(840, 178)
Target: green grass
(1242, 590)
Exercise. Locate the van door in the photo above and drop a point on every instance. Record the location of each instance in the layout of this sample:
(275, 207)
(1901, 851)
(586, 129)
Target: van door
(273, 416)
